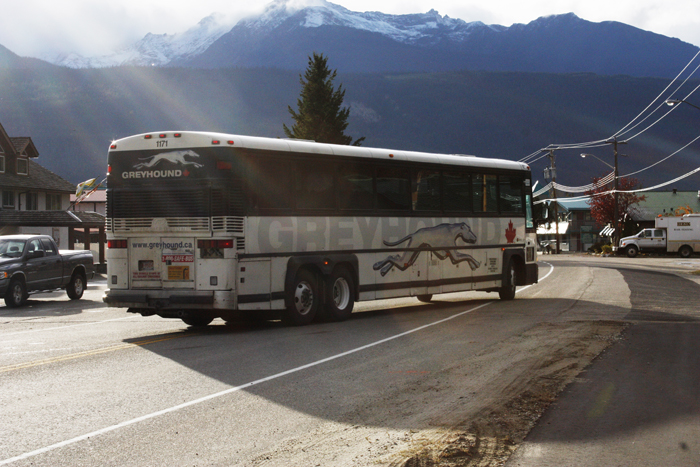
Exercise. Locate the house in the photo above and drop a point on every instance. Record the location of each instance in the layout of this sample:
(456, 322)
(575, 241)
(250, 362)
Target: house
(36, 200)
(577, 229)
(664, 203)
(95, 202)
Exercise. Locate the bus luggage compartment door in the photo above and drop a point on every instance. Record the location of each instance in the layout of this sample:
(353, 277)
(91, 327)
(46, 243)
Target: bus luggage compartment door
(161, 262)
(145, 270)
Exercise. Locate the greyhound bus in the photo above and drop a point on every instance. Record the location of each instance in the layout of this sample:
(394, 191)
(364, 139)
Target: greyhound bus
(207, 225)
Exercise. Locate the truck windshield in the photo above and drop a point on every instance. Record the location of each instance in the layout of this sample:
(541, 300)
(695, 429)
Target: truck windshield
(12, 248)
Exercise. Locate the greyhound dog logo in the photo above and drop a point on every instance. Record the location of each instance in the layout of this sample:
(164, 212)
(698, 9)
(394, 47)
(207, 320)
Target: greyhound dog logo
(440, 236)
(174, 157)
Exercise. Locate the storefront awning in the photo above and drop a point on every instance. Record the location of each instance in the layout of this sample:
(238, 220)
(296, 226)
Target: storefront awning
(607, 231)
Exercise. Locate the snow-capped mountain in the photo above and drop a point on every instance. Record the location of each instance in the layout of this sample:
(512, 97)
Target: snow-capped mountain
(288, 31)
(408, 29)
(162, 49)
(157, 49)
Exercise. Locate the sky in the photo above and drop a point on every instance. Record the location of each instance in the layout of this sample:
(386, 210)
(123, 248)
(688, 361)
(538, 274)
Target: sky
(42, 28)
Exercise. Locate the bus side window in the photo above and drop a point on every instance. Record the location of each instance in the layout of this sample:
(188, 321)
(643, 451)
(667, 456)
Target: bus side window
(269, 182)
(511, 194)
(426, 190)
(355, 187)
(315, 185)
(485, 193)
(457, 194)
(393, 189)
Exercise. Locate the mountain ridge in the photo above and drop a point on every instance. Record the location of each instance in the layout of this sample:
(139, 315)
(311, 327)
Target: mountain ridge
(283, 36)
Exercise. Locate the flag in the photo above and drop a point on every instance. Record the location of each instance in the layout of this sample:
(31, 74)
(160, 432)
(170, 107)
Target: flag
(83, 187)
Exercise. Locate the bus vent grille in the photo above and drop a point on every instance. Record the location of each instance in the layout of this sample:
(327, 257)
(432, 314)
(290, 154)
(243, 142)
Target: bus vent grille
(125, 225)
(227, 224)
(240, 244)
(197, 224)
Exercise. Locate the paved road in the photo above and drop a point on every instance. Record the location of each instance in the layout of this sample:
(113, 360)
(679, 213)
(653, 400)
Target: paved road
(81, 384)
(639, 403)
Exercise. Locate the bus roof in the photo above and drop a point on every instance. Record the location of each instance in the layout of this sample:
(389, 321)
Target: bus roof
(199, 139)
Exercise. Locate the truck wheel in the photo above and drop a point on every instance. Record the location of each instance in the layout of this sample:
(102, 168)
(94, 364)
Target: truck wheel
(632, 251)
(304, 299)
(76, 286)
(16, 293)
(427, 298)
(339, 295)
(685, 251)
(507, 290)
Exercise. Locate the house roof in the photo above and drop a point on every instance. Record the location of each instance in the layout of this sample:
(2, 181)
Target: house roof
(574, 205)
(37, 178)
(51, 218)
(665, 202)
(24, 145)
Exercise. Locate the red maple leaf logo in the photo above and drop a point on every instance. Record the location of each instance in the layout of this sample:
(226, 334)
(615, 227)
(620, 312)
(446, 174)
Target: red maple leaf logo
(510, 232)
(186, 172)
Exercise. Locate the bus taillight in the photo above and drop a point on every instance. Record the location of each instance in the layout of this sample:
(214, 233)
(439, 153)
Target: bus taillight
(214, 244)
(116, 243)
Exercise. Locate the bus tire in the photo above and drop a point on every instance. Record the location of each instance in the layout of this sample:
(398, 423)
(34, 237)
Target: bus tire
(197, 321)
(507, 290)
(16, 293)
(427, 298)
(304, 299)
(632, 251)
(76, 286)
(685, 251)
(340, 298)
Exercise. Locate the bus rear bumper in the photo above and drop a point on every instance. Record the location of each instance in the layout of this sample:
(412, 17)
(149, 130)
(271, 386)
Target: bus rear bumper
(169, 300)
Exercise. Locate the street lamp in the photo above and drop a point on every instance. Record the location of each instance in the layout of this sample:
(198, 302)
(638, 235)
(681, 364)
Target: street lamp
(601, 160)
(673, 102)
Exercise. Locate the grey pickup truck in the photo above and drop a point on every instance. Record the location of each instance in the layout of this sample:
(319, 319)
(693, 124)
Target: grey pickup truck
(32, 263)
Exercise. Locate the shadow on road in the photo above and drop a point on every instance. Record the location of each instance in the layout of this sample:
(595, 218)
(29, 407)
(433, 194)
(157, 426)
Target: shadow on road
(650, 375)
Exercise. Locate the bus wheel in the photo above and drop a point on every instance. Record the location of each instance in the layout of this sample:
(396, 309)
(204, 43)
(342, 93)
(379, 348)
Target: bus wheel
(304, 299)
(507, 290)
(685, 251)
(427, 298)
(197, 321)
(339, 296)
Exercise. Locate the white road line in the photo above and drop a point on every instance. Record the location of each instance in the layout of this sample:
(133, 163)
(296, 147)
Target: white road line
(241, 387)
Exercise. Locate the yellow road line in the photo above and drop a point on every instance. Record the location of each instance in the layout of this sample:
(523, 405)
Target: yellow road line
(87, 353)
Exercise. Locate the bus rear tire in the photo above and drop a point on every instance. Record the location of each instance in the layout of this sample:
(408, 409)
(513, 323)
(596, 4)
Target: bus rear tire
(304, 299)
(197, 321)
(507, 290)
(340, 298)
(427, 298)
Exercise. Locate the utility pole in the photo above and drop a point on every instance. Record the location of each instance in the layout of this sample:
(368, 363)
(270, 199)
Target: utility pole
(553, 194)
(616, 224)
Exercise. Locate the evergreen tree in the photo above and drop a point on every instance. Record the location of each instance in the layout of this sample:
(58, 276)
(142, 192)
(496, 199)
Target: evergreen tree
(320, 115)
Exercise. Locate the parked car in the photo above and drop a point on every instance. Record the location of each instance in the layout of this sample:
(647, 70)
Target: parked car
(33, 263)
